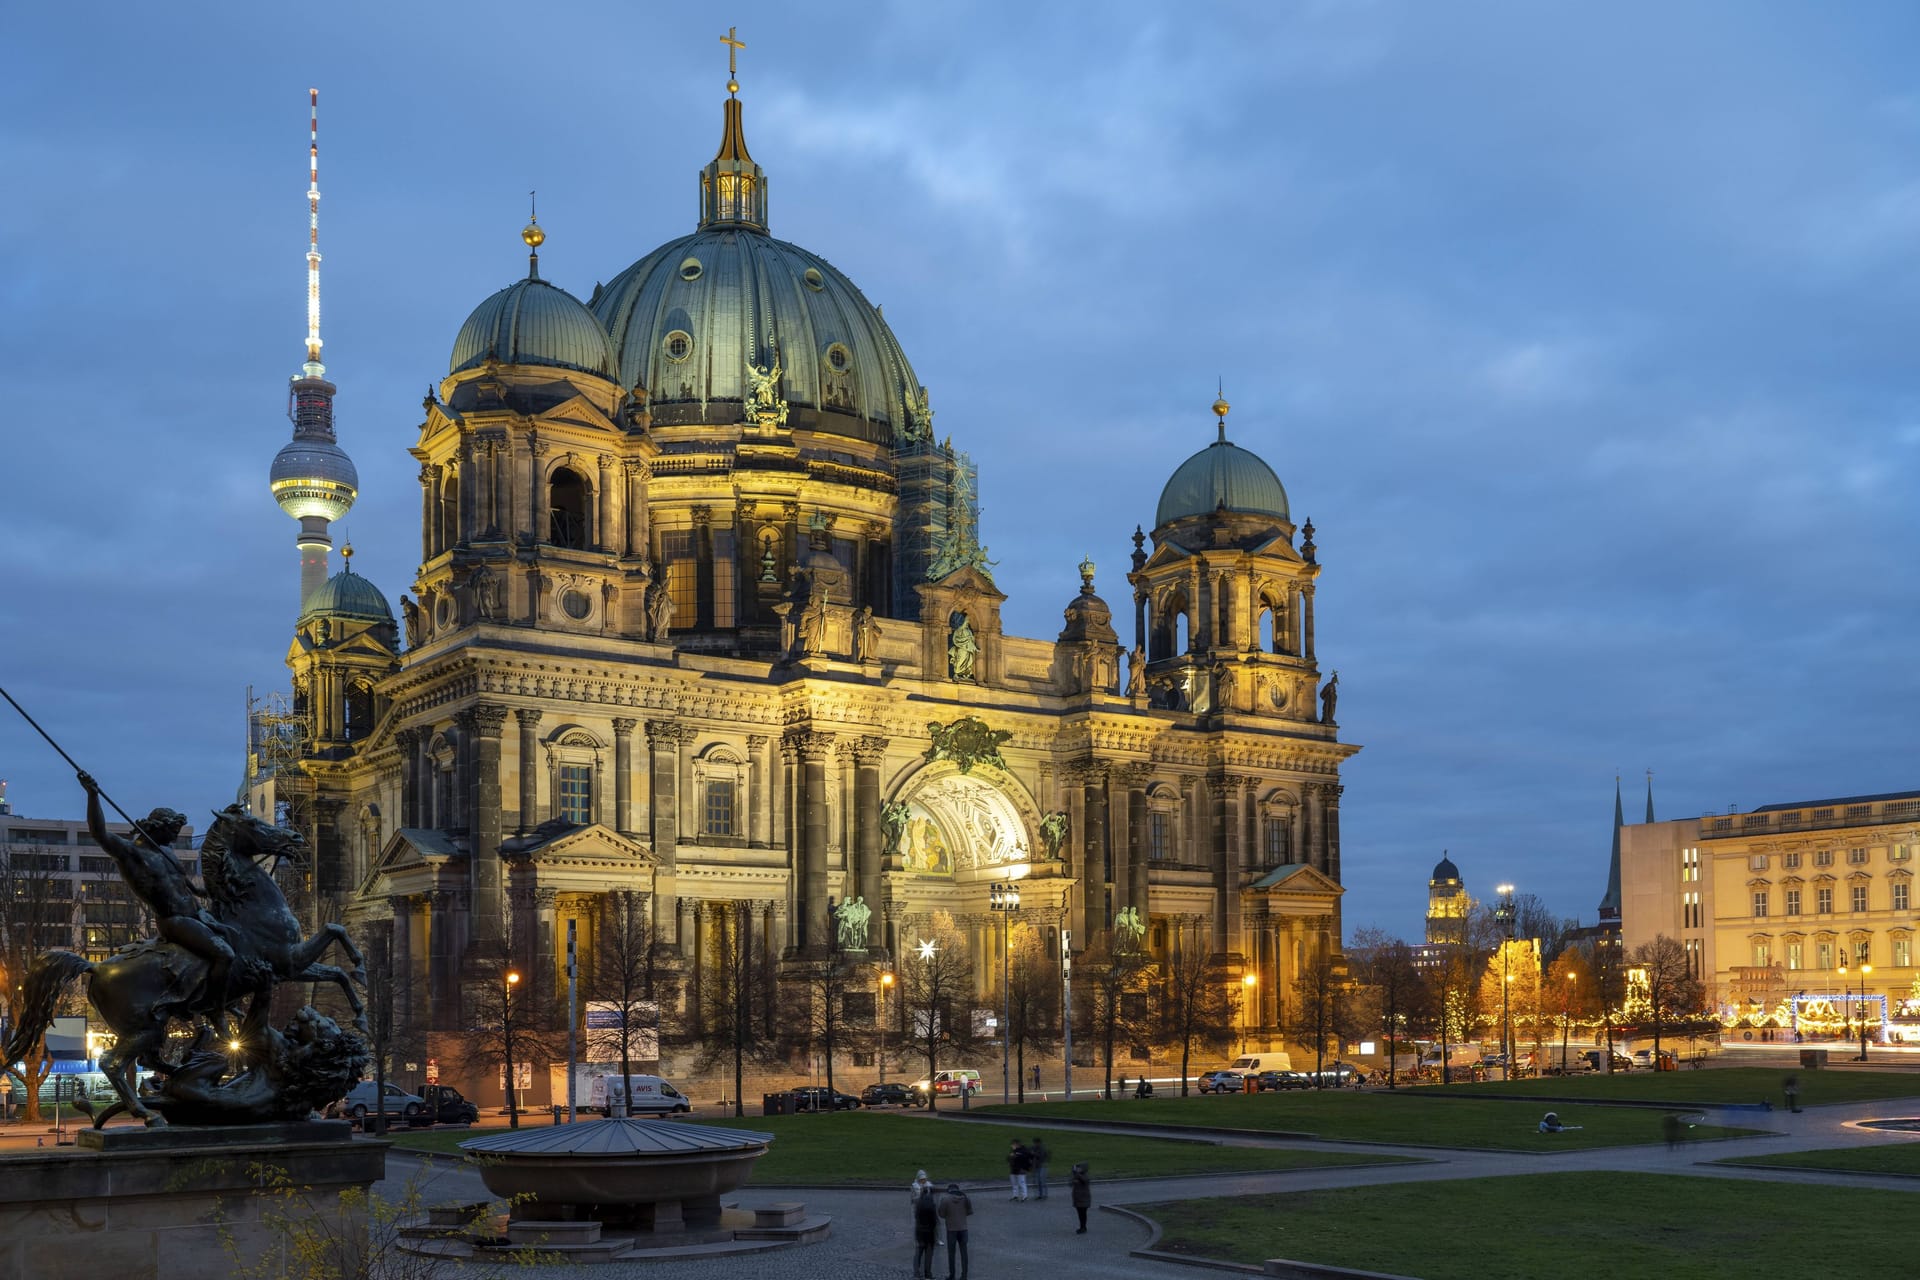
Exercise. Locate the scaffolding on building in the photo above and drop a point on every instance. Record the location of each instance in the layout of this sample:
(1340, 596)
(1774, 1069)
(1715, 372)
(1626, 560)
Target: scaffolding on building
(278, 731)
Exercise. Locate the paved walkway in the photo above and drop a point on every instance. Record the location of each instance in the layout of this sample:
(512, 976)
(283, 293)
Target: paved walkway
(872, 1240)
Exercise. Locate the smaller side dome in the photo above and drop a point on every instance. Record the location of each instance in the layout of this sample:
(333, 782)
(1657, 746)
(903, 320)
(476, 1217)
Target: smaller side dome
(531, 322)
(1222, 475)
(1087, 615)
(347, 594)
(1444, 871)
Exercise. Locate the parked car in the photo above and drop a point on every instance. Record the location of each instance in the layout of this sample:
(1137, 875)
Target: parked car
(1339, 1076)
(820, 1098)
(1222, 1081)
(1598, 1059)
(446, 1105)
(640, 1096)
(945, 1084)
(890, 1094)
(364, 1098)
(1644, 1059)
(1271, 1080)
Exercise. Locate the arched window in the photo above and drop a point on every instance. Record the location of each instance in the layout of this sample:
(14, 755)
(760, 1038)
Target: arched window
(567, 507)
(359, 710)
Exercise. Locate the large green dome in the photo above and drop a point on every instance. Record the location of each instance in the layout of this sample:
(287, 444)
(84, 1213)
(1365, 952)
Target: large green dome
(533, 322)
(1222, 475)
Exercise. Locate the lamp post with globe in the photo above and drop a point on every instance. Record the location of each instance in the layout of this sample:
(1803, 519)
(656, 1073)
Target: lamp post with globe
(509, 981)
(1503, 915)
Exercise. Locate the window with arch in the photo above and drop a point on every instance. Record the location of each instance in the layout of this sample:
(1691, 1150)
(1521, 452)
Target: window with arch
(567, 504)
(1276, 828)
(573, 774)
(359, 710)
(1163, 825)
(1902, 951)
(449, 510)
(720, 792)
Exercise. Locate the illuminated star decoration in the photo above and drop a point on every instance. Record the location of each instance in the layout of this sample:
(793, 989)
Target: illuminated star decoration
(927, 949)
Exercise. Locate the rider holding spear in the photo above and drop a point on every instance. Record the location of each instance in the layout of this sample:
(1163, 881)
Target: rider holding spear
(157, 879)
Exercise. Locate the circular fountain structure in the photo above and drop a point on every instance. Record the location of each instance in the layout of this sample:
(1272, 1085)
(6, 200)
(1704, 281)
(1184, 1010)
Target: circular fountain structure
(647, 1176)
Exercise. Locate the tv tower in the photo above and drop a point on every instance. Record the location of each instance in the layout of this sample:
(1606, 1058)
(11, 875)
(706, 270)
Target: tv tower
(313, 479)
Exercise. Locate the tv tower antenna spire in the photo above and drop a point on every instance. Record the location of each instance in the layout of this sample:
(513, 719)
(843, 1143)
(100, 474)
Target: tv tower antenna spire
(313, 369)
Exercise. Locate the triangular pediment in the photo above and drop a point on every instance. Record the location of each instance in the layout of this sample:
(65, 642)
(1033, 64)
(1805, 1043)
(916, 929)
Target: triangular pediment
(565, 844)
(967, 578)
(1297, 881)
(579, 410)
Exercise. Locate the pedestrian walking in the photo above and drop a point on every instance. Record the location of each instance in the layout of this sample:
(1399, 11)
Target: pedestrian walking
(926, 1220)
(1040, 1156)
(1791, 1087)
(1082, 1195)
(1019, 1164)
(955, 1209)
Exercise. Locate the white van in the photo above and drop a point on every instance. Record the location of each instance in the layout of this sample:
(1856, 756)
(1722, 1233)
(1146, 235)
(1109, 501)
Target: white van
(1254, 1064)
(642, 1096)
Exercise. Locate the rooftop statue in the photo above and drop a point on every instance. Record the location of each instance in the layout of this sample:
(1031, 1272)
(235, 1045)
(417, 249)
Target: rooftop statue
(203, 964)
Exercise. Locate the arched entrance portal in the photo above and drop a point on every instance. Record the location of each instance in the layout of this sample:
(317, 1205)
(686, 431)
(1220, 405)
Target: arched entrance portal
(961, 825)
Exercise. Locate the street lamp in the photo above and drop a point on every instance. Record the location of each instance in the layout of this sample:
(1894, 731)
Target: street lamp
(1503, 915)
(1865, 969)
(1566, 1016)
(1248, 981)
(506, 1022)
(886, 981)
(1004, 897)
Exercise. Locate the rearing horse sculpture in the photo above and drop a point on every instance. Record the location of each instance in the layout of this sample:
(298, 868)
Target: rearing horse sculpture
(142, 988)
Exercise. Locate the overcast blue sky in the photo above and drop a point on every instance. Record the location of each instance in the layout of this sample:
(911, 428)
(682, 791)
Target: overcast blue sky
(1584, 333)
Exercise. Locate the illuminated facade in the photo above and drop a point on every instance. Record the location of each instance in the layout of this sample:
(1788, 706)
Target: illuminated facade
(702, 613)
(1773, 901)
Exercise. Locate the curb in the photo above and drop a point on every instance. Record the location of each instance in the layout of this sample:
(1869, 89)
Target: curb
(1286, 1268)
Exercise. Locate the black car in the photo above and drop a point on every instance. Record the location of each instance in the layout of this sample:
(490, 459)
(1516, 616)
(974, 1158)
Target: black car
(446, 1105)
(818, 1098)
(1269, 1080)
(887, 1095)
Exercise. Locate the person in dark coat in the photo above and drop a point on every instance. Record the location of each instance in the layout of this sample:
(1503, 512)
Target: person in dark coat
(1019, 1164)
(1040, 1156)
(1082, 1195)
(955, 1208)
(926, 1225)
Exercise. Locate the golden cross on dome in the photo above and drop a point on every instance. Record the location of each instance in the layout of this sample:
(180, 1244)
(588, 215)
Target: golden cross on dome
(734, 46)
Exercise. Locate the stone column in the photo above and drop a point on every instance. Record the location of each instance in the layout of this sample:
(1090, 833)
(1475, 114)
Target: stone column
(519, 467)
(1330, 822)
(774, 942)
(469, 489)
(548, 989)
(537, 487)
(483, 721)
(443, 1005)
(409, 969)
(663, 752)
(330, 879)
(604, 530)
(701, 913)
(1235, 877)
(529, 771)
(811, 800)
(408, 740)
(623, 727)
(1316, 823)
(429, 503)
(1120, 837)
(1215, 791)
(868, 752)
(1138, 891)
(499, 516)
(1093, 831)
(1306, 641)
(637, 473)
(758, 799)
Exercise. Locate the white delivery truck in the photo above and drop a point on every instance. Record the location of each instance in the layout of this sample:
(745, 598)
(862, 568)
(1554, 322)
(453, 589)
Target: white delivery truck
(636, 1096)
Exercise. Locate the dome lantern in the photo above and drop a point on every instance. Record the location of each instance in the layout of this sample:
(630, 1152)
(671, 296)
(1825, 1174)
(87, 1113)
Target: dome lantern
(733, 190)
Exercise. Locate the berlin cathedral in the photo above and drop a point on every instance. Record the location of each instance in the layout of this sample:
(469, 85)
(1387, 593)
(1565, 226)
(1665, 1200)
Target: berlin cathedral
(702, 620)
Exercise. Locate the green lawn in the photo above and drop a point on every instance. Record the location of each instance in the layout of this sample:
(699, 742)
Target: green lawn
(1893, 1157)
(1705, 1087)
(1419, 1118)
(855, 1148)
(1526, 1227)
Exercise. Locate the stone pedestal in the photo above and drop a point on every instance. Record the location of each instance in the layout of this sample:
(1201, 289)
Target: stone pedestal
(160, 1204)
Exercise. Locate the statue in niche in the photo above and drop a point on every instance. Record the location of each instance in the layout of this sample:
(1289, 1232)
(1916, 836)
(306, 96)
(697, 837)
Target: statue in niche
(1128, 930)
(1329, 695)
(1223, 686)
(486, 592)
(852, 918)
(659, 611)
(962, 647)
(415, 619)
(1137, 673)
(866, 636)
(894, 816)
(1053, 834)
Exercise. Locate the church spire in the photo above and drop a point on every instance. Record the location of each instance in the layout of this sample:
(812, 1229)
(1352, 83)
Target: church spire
(1610, 905)
(1649, 795)
(733, 189)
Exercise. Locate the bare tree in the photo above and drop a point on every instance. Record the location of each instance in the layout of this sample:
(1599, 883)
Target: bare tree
(623, 975)
(1113, 974)
(1194, 1007)
(735, 1008)
(1385, 965)
(1570, 991)
(1671, 992)
(936, 978)
(36, 916)
(1316, 1013)
(1033, 1000)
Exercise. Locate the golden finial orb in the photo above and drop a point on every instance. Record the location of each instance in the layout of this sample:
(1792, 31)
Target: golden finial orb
(346, 553)
(533, 237)
(1220, 407)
